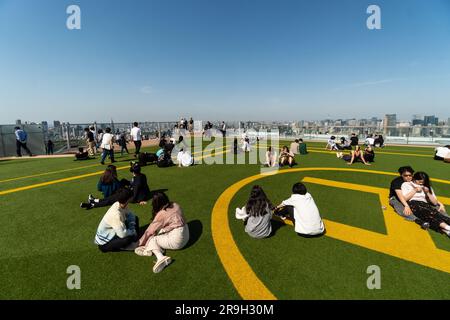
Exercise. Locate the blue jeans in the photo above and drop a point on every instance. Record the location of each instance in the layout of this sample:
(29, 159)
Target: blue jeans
(106, 153)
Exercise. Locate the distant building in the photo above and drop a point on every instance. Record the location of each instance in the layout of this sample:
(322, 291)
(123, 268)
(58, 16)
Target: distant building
(390, 124)
(18, 122)
(430, 120)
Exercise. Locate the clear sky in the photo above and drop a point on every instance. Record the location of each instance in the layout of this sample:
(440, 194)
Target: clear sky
(158, 60)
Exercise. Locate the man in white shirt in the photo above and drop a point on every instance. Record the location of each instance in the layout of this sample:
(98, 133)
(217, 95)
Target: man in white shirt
(442, 153)
(107, 146)
(137, 137)
(303, 209)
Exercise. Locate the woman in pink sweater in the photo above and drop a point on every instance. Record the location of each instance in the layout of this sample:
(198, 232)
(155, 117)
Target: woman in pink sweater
(168, 230)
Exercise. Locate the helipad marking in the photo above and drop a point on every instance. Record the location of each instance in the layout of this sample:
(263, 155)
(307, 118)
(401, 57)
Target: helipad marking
(403, 240)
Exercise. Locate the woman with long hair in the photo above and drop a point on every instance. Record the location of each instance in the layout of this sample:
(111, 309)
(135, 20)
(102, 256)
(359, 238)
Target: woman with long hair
(257, 214)
(356, 155)
(271, 157)
(168, 230)
(286, 157)
(424, 204)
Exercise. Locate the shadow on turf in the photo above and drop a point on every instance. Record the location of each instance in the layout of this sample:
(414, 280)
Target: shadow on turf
(276, 224)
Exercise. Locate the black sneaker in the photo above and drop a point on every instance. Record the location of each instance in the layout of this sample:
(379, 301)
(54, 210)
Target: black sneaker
(425, 225)
(86, 206)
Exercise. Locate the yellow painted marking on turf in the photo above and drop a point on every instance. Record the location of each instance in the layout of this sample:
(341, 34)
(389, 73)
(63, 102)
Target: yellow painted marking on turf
(47, 173)
(317, 150)
(43, 184)
(403, 240)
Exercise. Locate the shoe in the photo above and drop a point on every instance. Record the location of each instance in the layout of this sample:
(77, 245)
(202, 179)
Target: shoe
(140, 251)
(425, 225)
(91, 198)
(161, 264)
(86, 206)
(102, 162)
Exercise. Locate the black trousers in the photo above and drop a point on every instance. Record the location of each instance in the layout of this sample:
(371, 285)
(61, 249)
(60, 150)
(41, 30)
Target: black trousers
(19, 146)
(288, 213)
(429, 213)
(138, 145)
(116, 244)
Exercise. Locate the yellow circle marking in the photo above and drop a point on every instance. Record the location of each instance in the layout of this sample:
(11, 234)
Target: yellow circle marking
(403, 240)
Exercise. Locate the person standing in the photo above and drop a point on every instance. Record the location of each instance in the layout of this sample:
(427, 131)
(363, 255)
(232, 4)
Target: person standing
(137, 137)
(21, 141)
(123, 143)
(354, 140)
(223, 129)
(107, 146)
(50, 146)
(90, 142)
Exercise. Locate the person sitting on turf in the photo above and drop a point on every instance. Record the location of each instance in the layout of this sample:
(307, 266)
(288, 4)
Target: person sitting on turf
(370, 141)
(302, 147)
(271, 157)
(442, 153)
(396, 199)
(108, 182)
(355, 156)
(331, 144)
(138, 186)
(379, 141)
(82, 155)
(354, 140)
(168, 230)
(184, 159)
(369, 154)
(302, 209)
(423, 203)
(257, 214)
(345, 144)
(286, 157)
(118, 230)
(295, 147)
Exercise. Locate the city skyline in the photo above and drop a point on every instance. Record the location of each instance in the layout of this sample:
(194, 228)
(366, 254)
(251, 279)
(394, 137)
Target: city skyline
(222, 60)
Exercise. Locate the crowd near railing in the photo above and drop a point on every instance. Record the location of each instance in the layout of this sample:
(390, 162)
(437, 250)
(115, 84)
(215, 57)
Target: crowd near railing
(67, 136)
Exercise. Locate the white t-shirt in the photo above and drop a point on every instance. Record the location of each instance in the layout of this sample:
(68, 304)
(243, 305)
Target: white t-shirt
(407, 187)
(136, 134)
(370, 141)
(443, 152)
(306, 214)
(107, 141)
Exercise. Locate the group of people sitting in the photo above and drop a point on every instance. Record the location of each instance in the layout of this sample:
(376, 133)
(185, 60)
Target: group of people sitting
(287, 155)
(412, 197)
(367, 156)
(163, 157)
(119, 228)
(300, 208)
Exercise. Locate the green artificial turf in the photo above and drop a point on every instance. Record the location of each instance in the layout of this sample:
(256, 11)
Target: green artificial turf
(43, 231)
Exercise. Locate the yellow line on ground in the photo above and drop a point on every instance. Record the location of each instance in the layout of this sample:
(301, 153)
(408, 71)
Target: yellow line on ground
(317, 150)
(404, 240)
(47, 173)
(43, 184)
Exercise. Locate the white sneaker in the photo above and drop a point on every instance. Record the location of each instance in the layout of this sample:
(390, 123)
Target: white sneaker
(140, 251)
(161, 264)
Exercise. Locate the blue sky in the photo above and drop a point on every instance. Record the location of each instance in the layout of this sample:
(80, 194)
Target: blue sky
(223, 59)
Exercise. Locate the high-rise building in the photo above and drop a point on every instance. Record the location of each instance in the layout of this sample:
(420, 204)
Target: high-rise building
(18, 122)
(430, 120)
(389, 124)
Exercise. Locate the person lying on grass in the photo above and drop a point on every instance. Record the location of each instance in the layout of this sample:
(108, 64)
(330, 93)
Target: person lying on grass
(356, 155)
(118, 230)
(257, 214)
(424, 204)
(303, 211)
(168, 230)
(138, 186)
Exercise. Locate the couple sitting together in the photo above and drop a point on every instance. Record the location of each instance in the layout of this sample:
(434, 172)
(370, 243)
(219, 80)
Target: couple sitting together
(286, 158)
(300, 208)
(413, 198)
